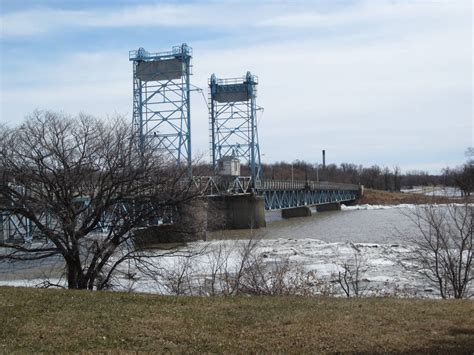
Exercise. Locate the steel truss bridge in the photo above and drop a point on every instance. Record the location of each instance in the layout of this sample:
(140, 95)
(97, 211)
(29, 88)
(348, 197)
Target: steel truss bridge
(14, 226)
(162, 118)
(279, 194)
(286, 194)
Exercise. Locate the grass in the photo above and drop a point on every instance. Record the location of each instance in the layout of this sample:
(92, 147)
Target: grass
(35, 320)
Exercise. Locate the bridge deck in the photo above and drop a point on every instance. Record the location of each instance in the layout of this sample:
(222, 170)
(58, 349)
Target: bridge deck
(280, 194)
(287, 194)
(298, 185)
(277, 194)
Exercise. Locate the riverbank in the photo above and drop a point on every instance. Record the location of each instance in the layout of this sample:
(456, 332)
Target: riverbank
(298, 266)
(38, 320)
(379, 197)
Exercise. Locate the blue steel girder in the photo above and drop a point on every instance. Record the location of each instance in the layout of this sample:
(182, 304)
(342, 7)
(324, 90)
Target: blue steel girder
(15, 227)
(278, 199)
(287, 194)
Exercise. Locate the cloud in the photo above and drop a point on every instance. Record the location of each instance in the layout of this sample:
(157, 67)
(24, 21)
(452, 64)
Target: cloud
(46, 20)
(367, 12)
(393, 83)
(220, 15)
(97, 83)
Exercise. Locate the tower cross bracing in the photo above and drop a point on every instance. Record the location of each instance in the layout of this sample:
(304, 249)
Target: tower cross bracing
(161, 101)
(233, 122)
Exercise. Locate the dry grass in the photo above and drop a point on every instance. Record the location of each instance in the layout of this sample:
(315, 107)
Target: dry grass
(379, 197)
(71, 321)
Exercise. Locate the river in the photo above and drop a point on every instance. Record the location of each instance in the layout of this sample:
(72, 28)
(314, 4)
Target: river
(359, 224)
(319, 244)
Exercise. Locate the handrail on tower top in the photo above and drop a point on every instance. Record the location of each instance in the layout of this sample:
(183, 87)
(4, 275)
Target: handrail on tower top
(239, 80)
(142, 54)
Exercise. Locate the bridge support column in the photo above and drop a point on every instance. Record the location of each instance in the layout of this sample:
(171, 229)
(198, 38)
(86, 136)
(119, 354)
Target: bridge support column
(302, 211)
(235, 212)
(335, 206)
(190, 225)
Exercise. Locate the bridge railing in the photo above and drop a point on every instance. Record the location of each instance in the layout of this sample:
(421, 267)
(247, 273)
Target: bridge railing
(210, 185)
(215, 185)
(300, 185)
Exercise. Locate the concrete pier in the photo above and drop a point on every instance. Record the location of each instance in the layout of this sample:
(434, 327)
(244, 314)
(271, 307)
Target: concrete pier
(335, 206)
(235, 212)
(190, 225)
(303, 211)
(194, 219)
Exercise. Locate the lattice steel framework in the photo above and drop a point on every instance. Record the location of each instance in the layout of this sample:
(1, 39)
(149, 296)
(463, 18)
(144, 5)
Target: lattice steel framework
(287, 194)
(161, 101)
(233, 122)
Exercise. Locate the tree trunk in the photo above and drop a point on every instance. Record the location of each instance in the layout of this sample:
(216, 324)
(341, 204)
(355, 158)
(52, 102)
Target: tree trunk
(75, 276)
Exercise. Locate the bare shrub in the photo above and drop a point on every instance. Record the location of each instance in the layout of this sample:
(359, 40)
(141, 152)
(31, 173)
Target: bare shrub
(276, 278)
(443, 248)
(178, 279)
(351, 274)
(240, 268)
(219, 281)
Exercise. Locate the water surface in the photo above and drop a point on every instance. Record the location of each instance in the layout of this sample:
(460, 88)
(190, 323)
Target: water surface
(361, 226)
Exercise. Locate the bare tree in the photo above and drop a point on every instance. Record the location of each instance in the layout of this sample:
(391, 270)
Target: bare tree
(84, 186)
(443, 247)
(351, 273)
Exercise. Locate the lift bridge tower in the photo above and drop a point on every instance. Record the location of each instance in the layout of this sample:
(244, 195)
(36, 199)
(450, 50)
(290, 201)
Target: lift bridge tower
(233, 122)
(161, 101)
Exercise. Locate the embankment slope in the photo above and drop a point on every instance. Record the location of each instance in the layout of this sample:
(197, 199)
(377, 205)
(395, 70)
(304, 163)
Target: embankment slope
(38, 320)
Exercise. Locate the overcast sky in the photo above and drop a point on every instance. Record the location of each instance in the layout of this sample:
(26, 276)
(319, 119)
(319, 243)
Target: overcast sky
(372, 82)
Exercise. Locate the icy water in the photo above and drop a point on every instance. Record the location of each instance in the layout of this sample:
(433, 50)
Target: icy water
(319, 244)
(373, 225)
(387, 225)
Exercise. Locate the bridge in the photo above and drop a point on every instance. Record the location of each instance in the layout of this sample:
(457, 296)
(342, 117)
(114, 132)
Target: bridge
(162, 118)
(287, 194)
(281, 194)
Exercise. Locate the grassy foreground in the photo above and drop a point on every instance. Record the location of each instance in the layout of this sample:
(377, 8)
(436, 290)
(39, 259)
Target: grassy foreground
(34, 320)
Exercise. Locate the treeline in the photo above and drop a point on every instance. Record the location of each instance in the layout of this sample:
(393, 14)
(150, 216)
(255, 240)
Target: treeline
(462, 176)
(373, 177)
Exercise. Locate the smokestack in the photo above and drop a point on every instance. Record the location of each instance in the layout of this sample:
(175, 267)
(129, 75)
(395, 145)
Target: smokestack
(324, 159)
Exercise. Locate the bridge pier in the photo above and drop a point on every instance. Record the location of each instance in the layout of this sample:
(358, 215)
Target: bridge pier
(335, 206)
(190, 225)
(303, 211)
(242, 211)
(193, 220)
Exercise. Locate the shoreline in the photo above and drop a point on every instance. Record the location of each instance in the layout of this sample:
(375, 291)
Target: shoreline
(383, 273)
(386, 198)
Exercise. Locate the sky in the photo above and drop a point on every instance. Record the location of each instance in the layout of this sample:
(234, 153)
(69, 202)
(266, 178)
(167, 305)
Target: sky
(385, 82)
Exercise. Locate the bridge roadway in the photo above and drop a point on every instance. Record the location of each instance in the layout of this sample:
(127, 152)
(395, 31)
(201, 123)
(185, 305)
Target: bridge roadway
(287, 194)
(280, 194)
(277, 194)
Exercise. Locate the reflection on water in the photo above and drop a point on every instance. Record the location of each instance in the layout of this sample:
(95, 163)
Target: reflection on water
(362, 226)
